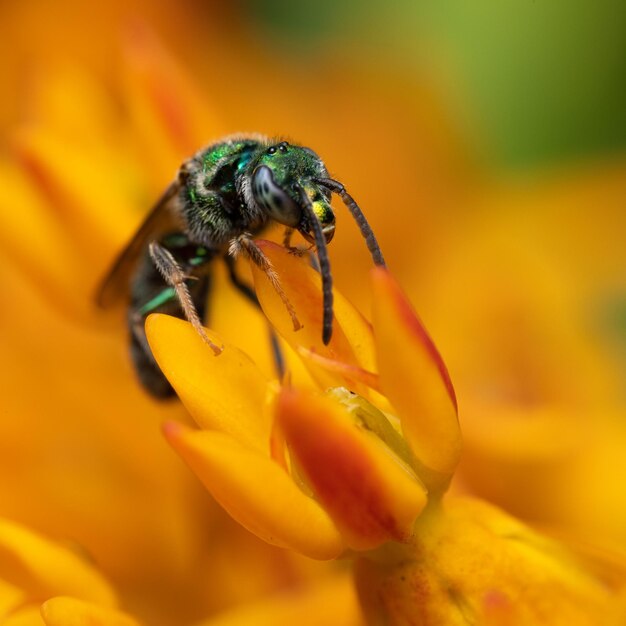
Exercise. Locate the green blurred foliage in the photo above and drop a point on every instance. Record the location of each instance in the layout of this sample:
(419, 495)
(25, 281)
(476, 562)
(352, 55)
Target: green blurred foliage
(533, 81)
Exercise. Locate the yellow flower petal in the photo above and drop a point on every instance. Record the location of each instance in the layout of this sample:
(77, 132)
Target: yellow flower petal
(352, 340)
(76, 182)
(331, 603)
(11, 597)
(58, 89)
(42, 236)
(64, 611)
(226, 392)
(474, 564)
(27, 616)
(43, 568)
(257, 492)
(165, 108)
(369, 492)
(414, 378)
(351, 372)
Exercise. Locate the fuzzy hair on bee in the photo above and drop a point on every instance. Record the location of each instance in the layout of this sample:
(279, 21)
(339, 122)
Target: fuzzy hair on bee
(224, 196)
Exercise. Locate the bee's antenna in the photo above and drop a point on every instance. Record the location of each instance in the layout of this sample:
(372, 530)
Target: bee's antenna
(357, 214)
(322, 255)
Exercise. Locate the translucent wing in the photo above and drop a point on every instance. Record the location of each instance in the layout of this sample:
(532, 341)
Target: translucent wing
(161, 219)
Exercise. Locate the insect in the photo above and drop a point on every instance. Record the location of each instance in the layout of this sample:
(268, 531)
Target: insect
(223, 196)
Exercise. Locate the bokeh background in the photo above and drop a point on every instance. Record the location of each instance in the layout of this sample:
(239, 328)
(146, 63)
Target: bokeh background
(485, 142)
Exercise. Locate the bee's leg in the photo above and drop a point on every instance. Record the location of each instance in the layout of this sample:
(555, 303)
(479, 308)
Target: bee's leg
(244, 243)
(287, 237)
(295, 250)
(175, 277)
(248, 292)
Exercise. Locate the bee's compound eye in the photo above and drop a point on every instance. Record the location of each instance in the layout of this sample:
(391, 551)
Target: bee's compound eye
(273, 199)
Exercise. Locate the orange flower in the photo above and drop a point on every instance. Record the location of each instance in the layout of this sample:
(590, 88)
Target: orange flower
(93, 149)
(78, 437)
(33, 568)
(471, 563)
(241, 453)
(325, 472)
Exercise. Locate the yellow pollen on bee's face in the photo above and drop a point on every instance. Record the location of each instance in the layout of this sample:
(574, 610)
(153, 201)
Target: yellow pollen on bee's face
(323, 212)
(319, 209)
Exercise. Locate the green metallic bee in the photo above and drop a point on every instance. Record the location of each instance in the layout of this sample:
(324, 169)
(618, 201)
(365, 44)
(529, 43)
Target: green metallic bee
(224, 195)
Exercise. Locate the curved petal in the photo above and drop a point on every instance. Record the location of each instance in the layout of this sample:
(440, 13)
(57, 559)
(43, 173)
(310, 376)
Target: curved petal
(226, 392)
(44, 237)
(352, 340)
(27, 616)
(167, 112)
(332, 603)
(370, 493)
(67, 174)
(257, 492)
(414, 378)
(55, 91)
(11, 597)
(351, 372)
(64, 611)
(43, 569)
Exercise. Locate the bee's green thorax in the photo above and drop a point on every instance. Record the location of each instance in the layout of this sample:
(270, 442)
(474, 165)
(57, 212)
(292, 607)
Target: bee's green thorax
(215, 184)
(244, 149)
(224, 164)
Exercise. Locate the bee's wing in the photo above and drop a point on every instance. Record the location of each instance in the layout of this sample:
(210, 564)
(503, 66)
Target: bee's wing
(161, 218)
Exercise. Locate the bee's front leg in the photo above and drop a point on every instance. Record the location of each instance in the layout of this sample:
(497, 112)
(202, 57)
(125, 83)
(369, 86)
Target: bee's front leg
(246, 245)
(248, 292)
(295, 250)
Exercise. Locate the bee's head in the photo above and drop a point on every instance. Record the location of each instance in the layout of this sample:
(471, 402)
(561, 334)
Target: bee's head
(276, 181)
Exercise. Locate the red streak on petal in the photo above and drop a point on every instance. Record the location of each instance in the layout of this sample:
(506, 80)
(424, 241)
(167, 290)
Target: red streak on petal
(171, 430)
(352, 372)
(159, 84)
(414, 325)
(339, 472)
(495, 599)
(40, 176)
(172, 113)
(278, 445)
(498, 609)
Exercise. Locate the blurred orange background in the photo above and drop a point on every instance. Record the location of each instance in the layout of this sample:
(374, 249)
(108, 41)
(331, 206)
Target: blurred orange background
(485, 145)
